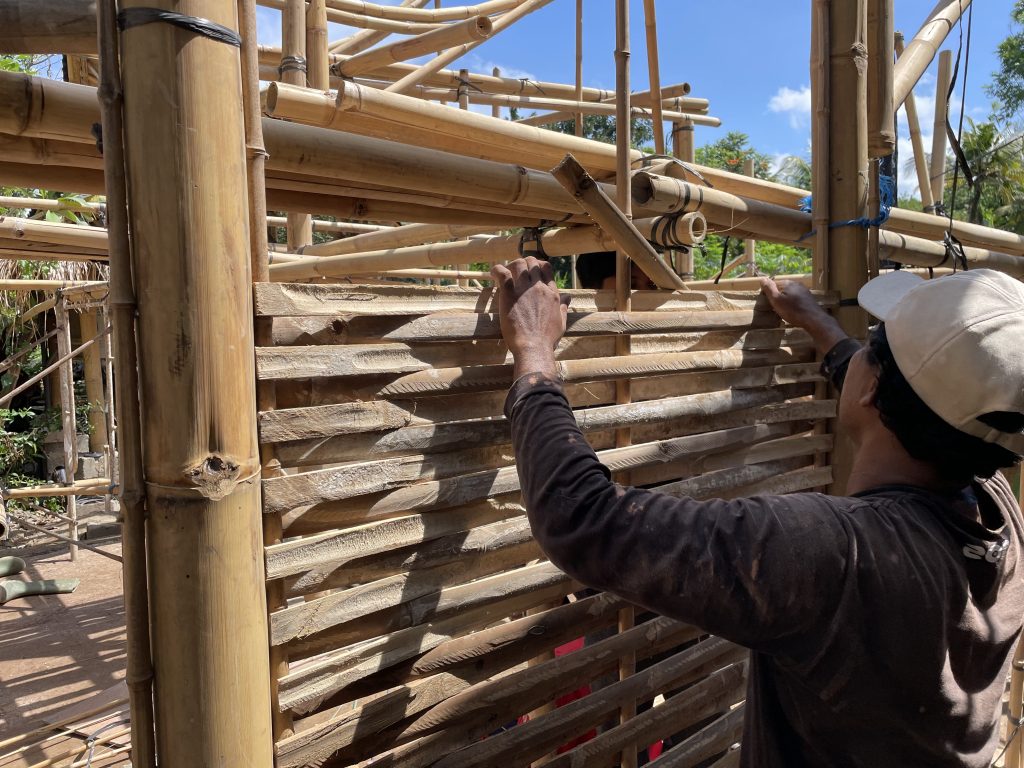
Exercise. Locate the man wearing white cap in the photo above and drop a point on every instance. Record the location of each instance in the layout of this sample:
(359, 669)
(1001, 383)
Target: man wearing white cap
(881, 622)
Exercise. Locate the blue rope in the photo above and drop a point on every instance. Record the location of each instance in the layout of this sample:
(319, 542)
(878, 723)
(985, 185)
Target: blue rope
(886, 200)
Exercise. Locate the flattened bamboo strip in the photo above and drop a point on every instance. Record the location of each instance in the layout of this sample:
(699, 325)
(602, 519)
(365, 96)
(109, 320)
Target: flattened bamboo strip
(473, 657)
(467, 544)
(712, 695)
(305, 688)
(300, 621)
(284, 493)
(708, 741)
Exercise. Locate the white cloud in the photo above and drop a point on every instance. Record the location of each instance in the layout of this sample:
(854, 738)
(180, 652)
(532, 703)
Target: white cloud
(476, 63)
(268, 26)
(795, 103)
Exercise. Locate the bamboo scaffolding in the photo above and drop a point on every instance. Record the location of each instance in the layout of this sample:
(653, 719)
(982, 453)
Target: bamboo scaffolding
(654, 76)
(66, 26)
(292, 68)
(407, 13)
(473, 30)
(881, 114)
(55, 366)
(505, 20)
(937, 175)
(68, 417)
(95, 487)
(360, 41)
(922, 48)
(410, 234)
(73, 235)
(920, 159)
(45, 204)
(200, 471)
(129, 470)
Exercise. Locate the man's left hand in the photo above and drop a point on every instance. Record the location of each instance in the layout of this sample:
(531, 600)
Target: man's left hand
(532, 313)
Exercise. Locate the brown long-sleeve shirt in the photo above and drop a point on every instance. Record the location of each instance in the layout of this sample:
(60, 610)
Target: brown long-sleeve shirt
(880, 625)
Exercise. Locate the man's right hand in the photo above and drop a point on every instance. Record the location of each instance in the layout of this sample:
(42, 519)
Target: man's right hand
(797, 306)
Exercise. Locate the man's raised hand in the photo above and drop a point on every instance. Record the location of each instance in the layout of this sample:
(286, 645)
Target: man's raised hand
(532, 313)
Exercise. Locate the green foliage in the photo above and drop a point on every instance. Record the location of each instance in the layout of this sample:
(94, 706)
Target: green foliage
(730, 153)
(602, 128)
(1007, 85)
(996, 158)
(771, 258)
(17, 63)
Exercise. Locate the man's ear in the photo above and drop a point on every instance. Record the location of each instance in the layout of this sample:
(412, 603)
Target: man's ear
(868, 396)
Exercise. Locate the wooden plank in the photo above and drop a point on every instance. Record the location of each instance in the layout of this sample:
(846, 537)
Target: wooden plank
(707, 742)
(432, 553)
(304, 689)
(299, 300)
(363, 623)
(353, 480)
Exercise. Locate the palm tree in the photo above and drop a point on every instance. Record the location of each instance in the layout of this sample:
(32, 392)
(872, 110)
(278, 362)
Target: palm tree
(996, 160)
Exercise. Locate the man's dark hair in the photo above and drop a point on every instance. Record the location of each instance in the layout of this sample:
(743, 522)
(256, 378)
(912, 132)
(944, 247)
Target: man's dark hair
(593, 269)
(923, 434)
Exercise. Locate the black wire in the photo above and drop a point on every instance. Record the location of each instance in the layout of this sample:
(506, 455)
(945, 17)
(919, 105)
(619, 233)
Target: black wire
(960, 124)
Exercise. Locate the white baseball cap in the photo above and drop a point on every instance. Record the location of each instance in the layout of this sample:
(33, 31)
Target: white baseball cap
(959, 342)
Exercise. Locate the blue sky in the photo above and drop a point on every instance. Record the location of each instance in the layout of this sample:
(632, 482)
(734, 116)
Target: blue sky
(749, 57)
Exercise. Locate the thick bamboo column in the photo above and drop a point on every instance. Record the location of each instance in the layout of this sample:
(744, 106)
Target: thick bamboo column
(848, 179)
(921, 50)
(920, 160)
(293, 70)
(318, 65)
(938, 156)
(881, 115)
(197, 373)
(654, 75)
(62, 26)
(750, 244)
(128, 440)
(67, 413)
(93, 382)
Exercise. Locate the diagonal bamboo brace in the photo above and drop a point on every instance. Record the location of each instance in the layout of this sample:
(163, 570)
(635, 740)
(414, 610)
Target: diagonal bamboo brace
(592, 199)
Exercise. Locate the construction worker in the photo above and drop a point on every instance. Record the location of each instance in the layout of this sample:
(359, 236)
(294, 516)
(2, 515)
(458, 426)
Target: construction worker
(880, 623)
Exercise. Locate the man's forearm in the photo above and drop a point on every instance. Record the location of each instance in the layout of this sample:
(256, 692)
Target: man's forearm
(825, 332)
(535, 360)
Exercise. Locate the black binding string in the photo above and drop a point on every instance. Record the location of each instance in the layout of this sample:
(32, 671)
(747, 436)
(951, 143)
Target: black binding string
(136, 17)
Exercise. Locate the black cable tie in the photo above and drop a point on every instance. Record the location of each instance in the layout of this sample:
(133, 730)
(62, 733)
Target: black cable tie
(136, 17)
(97, 133)
(291, 64)
(531, 244)
(849, 302)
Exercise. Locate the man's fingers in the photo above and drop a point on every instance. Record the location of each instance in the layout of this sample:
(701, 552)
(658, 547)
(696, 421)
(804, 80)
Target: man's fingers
(546, 272)
(500, 274)
(564, 299)
(518, 268)
(769, 288)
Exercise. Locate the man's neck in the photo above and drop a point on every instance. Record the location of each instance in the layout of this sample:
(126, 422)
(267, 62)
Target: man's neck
(881, 460)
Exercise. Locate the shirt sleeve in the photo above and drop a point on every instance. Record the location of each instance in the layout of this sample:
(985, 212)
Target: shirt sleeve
(762, 572)
(837, 360)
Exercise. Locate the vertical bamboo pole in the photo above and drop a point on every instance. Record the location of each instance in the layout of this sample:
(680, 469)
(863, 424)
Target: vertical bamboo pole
(682, 148)
(87, 320)
(750, 244)
(496, 108)
(128, 437)
(110, 453)
(820, 121)
(920, 161)
(938, 158)
(294, 66)
(881, 114)
(317, 62)
(263, 327)
(463, 96)
(197, 373)
(53, 380)
(623, 137)
(577, 121)
(848, 181)
(651, 28)
(67, 413)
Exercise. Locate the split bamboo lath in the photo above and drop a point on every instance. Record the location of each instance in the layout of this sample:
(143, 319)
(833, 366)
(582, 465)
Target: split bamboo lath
(324, 534)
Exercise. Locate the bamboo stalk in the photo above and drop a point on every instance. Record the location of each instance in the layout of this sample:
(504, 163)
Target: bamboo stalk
(64, 26)
(368, 37)
(317, 63)
(195, 334)
(52, 367)
(110, 455)
(73, 542)
(77, 488)
(139, 673)
(32, 231)
(654, 75)
(88, 326)
(881, 114)
(68, 418)
(938, 157)
(44, 204)
(578, 116)
(820, 122)
(450, 55)
(920, 160)
(406, 13)
(750, 244)
(10, 360)
(471, 31)
(614, 221)
(293, 68)
(921, 50)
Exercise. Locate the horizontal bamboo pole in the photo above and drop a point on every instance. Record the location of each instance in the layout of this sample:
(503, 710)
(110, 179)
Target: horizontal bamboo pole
(361, 20)
(406, 13)
(716, 737)
(581, 185)
(95, 487)
(51, 253)
(56, 233)
(471, 30)
(45, 204)
(410, 234)
(336, 227)
(8, 362)
(922, 49)
(56, 26)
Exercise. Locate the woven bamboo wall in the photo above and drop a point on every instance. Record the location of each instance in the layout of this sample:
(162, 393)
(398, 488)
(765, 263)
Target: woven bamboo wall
(421, 616)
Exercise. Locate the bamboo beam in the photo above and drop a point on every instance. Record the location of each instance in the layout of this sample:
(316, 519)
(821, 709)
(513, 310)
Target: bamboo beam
(571, 175)
(24, 286)
(820, 122)
(360, 41)
(938, 156)
(61, 26)
(73, 235)
(920, 160)
(922, 48)
(407, 13)
(195, 340)
(335, 227)
(127, 468)
(881, 114)
(450, 55)
(45, 204)
(396, 237)
(473, 30)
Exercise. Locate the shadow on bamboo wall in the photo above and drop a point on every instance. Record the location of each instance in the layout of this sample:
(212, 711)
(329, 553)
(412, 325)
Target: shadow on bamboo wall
(422, 618)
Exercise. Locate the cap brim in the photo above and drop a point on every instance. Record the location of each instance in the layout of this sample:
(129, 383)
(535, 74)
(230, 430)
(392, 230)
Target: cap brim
(881, 295)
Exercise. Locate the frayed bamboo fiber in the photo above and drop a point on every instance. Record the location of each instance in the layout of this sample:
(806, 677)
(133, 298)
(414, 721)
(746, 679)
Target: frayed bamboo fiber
(201, 471)
(503, 22)
(938, 156)
(917, 145)
(54, 26)
(921, 50)
(615, 222)
(407, 13)
(473, 30)
(122, 306)
(881, 114)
